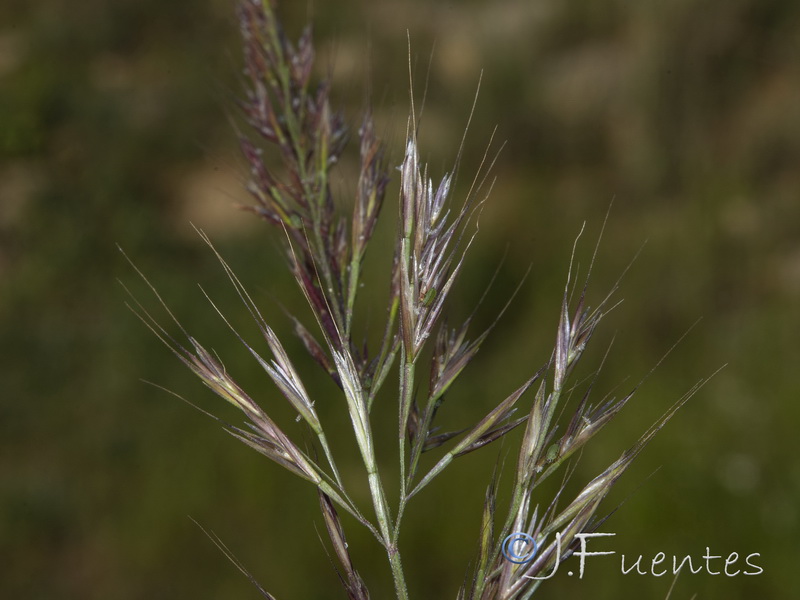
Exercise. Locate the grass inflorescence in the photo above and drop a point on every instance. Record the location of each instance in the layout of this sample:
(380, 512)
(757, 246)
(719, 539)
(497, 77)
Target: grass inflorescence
(324, 248)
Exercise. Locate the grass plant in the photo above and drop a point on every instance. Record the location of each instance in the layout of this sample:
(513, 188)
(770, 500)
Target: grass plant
(286, 110)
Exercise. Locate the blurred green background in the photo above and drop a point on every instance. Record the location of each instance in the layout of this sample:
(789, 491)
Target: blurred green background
(114, 129)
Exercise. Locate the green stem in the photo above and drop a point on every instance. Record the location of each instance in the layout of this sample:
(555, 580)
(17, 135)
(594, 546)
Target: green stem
(329, 455)
(406, 398)
(419, 443)
(397, 573)
(389, 349)
(360, 418)
(354, 276)
(384, 523)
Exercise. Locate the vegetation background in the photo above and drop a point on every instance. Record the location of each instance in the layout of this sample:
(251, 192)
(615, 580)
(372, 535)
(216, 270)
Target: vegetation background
(114, 129)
